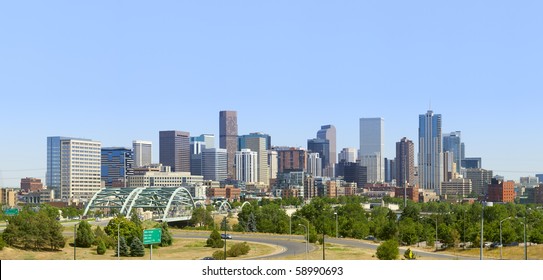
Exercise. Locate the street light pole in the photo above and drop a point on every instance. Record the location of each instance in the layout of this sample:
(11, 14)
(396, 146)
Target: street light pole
(501, 242)
(525, 242)
(75, 238)
(337, 228)
(436, 233)
(225, 238)
(307, 240)
(464, 229)
(482, 229)
(118, 241)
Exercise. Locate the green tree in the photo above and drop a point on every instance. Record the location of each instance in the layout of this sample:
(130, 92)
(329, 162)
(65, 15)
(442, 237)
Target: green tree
(2, 242)
(35, 229)
(215, 240)
(251, 225)
(136, 248)
(388, 250)
(101, 248)
(100, 235)
(166, 237)
(128, 229)
(85, 236)
(123, 249)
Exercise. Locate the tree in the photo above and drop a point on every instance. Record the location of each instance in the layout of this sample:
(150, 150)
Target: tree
(85, 237)
(35, 229)
(136, 248)
(166, 237)
(388, 250)
(251, 225)
(128, 229)
(123, 249)
(101, 248)
(100, 235)
(2, 242)
(215, 240)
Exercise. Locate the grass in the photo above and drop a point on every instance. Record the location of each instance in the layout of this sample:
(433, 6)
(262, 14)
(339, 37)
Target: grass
(182, 249)
(535, 252)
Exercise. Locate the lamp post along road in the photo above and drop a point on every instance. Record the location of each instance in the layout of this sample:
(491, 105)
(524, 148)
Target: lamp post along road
(337, 228)
(482, 228)
(501, 242)
(306, 241)
(118, 241)
(225, 238)
(75, 238)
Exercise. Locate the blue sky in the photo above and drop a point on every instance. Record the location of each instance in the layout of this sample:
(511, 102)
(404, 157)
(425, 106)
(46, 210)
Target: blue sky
(116, 71)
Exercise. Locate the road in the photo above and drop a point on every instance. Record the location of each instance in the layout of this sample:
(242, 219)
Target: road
(295, 245)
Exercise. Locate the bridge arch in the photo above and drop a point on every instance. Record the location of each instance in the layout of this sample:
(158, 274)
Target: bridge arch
(167, 204)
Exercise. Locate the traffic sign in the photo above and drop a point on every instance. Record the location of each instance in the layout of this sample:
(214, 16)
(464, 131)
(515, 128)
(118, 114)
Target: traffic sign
(11, 212)
(152, 236)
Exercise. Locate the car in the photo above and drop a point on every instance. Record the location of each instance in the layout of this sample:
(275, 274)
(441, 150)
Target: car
(207, 258)
(495, 245)
(226, 236)
(370, 237)
(512, 244)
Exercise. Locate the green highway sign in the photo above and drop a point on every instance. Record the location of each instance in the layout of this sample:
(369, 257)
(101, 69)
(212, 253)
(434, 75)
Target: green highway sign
(152, 236)
(11, 212)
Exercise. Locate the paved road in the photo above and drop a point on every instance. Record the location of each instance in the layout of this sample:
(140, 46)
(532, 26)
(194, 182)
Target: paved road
(294, 246)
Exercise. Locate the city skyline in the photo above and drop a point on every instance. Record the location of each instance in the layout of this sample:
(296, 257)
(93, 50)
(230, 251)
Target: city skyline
(286, 68)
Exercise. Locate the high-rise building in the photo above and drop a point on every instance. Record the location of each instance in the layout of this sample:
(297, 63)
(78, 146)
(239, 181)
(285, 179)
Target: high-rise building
(291, 159)
(214, 163)
(405, 162)
(500, 191)
(258, 142)
(228, 138)
(390, 170)
(347, 155)
(529, 181)
(480, 179)
(328, 132)
(142, 153)
(355, 173)
(457, 187)
(197, 145)
(117, 164)
(452, 142)
(472, 163)
(372, 145)
(430, 152)
(449, 166)
(539, 177)
(273, 163)
(314, 164)
(175, 150)
(246, 163)
(322, 147)
(73, 167)
(31, 185)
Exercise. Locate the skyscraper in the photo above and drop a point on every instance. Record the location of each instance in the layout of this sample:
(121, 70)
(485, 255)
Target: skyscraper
(197, 145)
(246, 162)
(328, 132)
(214, 164)
(322, 147)
(314, 164)
(430, 152)
(273, 163)
(142, 153)
(405, 162)
(258, 142)
(372, 147)
(175, 150)
(347, 155)
(291, 159)
(117, 164)
(73, 167)
(452, 142)
(228, 138)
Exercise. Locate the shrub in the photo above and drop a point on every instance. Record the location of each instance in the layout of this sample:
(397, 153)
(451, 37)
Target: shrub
(2, 242)
(238, 249)
(388, 250)
(218, 255)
